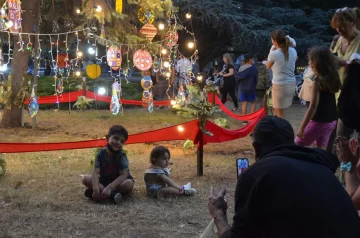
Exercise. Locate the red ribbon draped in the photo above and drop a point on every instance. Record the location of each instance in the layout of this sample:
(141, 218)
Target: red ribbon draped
(185, 131)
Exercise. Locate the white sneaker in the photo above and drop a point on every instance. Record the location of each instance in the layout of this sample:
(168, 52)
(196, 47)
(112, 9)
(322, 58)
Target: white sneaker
(117, 198)
(189, 191)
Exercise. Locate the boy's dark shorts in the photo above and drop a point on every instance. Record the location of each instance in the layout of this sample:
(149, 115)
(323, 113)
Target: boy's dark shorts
(105, 182)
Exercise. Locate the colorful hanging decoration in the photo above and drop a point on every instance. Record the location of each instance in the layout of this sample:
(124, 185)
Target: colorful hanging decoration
(146, 17)
(14, 15)
(93, 71)
(147, 98)
(114, 57)
(60, 86)
(171, 38)
(62, 60)
(119, 6)
(115, 104)
(149, 31)
(33, 106)
(142, 60)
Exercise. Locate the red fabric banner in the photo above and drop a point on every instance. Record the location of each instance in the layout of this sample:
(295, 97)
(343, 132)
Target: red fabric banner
(185, 131)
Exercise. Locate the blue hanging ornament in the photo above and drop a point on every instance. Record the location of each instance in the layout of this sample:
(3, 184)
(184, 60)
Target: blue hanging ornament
(115, 104)
(60, 86)
(33, 106)
(151, 107)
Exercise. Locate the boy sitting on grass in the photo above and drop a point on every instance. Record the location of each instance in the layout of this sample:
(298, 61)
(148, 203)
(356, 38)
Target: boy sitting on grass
(110, 178)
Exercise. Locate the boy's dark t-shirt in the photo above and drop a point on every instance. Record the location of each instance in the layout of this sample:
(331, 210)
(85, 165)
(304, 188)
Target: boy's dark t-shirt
(110, 169)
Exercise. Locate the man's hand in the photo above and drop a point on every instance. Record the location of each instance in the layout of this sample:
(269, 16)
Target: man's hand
(96, 195)
(106, 193)
(217, 204)
(347, 152)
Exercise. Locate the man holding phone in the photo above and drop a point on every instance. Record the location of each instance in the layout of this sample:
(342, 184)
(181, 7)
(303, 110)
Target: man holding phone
(290, 191)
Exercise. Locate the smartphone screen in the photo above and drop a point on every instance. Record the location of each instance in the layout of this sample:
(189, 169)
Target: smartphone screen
(241, 165)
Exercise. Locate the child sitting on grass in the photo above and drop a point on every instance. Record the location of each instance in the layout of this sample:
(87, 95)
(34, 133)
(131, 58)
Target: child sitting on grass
(157, 180)
(110, 177)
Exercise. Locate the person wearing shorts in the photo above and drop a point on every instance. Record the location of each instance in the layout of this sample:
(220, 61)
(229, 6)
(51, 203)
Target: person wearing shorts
(247, 78)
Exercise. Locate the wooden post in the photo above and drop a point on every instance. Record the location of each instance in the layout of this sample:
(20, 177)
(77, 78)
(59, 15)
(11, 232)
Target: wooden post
(200, 154)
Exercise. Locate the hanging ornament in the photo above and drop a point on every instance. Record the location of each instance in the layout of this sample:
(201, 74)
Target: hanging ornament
(68, 24)
(14, 15)
(118, 6)
(62, 60)
(55, 26)
(171, 38)
(113, 57)
(146, 82)
(149, 31)
(151, 107)
(146, 17)
(115, 104)
(102, 33)
(60, 86)
(142, 60)
(147, 98)
(93, 71)
(33, 106)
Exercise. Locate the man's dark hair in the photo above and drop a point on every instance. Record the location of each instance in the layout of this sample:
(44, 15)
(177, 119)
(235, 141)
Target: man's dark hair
(273, 131)
(260, 58)
(158, 151)
(118, 130)
(248, 57)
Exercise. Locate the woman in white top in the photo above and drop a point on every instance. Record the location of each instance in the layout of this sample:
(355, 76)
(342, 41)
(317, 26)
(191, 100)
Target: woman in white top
(282, 61)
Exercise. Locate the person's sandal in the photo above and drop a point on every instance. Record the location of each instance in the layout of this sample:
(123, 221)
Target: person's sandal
(115, 197)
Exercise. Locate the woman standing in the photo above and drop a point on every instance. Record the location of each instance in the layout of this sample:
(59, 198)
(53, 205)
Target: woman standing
(282, 61)
(229, 81)
(345, 22)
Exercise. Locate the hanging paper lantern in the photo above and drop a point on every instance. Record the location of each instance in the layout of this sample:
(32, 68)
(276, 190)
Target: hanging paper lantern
(171, 38)
(118, 6)
(115, 104)
(146, 17)
(147, 98)
(60, 86)
(62, 60)
(149, 31)
(114, 57)
(33, 106)
(14, 15)
(93, 71)
(142, 60)
(146, 82)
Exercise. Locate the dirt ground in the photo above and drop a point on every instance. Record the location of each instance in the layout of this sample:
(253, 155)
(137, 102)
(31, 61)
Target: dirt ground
(41, 194)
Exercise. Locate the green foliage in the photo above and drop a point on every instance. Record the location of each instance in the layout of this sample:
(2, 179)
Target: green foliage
(2, 165)
(83, 103)
(188, 145)
(222, 122)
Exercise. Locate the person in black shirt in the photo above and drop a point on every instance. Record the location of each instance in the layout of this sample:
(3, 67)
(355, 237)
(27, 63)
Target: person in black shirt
(229, 81)
(290, 191)
(321, 116)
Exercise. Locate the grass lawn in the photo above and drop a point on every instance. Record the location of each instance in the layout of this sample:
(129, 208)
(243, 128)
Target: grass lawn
(41, 194)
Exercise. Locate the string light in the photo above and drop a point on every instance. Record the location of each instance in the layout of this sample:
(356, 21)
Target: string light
(166, 64)
(91, 50)
(98, 8)
(199, 77)
(188, 15)
(173, 102)
(78, 73)
(78, 11)
(164, 52)
(161, 26)
(180, 128)
(79, 54)
(168, 74)
(191, 45)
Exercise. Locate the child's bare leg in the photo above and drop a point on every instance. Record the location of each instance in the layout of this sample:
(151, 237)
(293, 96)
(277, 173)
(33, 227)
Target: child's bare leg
(87, 181)
(169, 192)
(125, 187)
(253, 104)
(243, 108)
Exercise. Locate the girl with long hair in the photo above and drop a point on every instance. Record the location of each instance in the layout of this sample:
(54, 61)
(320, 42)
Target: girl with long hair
(229, 81)
(281, 60)
(321, 116)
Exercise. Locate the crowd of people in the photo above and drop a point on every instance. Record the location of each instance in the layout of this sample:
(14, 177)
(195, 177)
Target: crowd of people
(291, 190)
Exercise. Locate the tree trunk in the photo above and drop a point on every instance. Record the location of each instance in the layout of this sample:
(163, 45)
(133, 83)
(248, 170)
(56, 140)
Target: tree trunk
(19, 65)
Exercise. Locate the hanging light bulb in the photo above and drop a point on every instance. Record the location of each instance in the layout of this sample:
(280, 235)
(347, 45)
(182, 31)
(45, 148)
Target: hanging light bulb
(98, 8)
(168, 74)
(166, 64)
(78, 73)
(91, 50)
(173, 102)
(199, 78)
(180, 128)
(164, 51)
(78, 11)
(161, 26)
(9, 24)
(188, 15)
(79, 54)
(191, 45)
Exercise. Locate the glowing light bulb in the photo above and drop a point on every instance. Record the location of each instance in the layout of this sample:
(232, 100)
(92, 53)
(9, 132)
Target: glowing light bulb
(166, 64)
(168, 74)
(79, 54)
(200, 78)
(9, 24)
(78, 11)
(101, 91)
(173, 102)
(164, 51)
(161, 26)
(2, 11)
(180, 128)
(191, 45)
(98, 8)
(91, 50)
(188, 15)
(78, 73)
